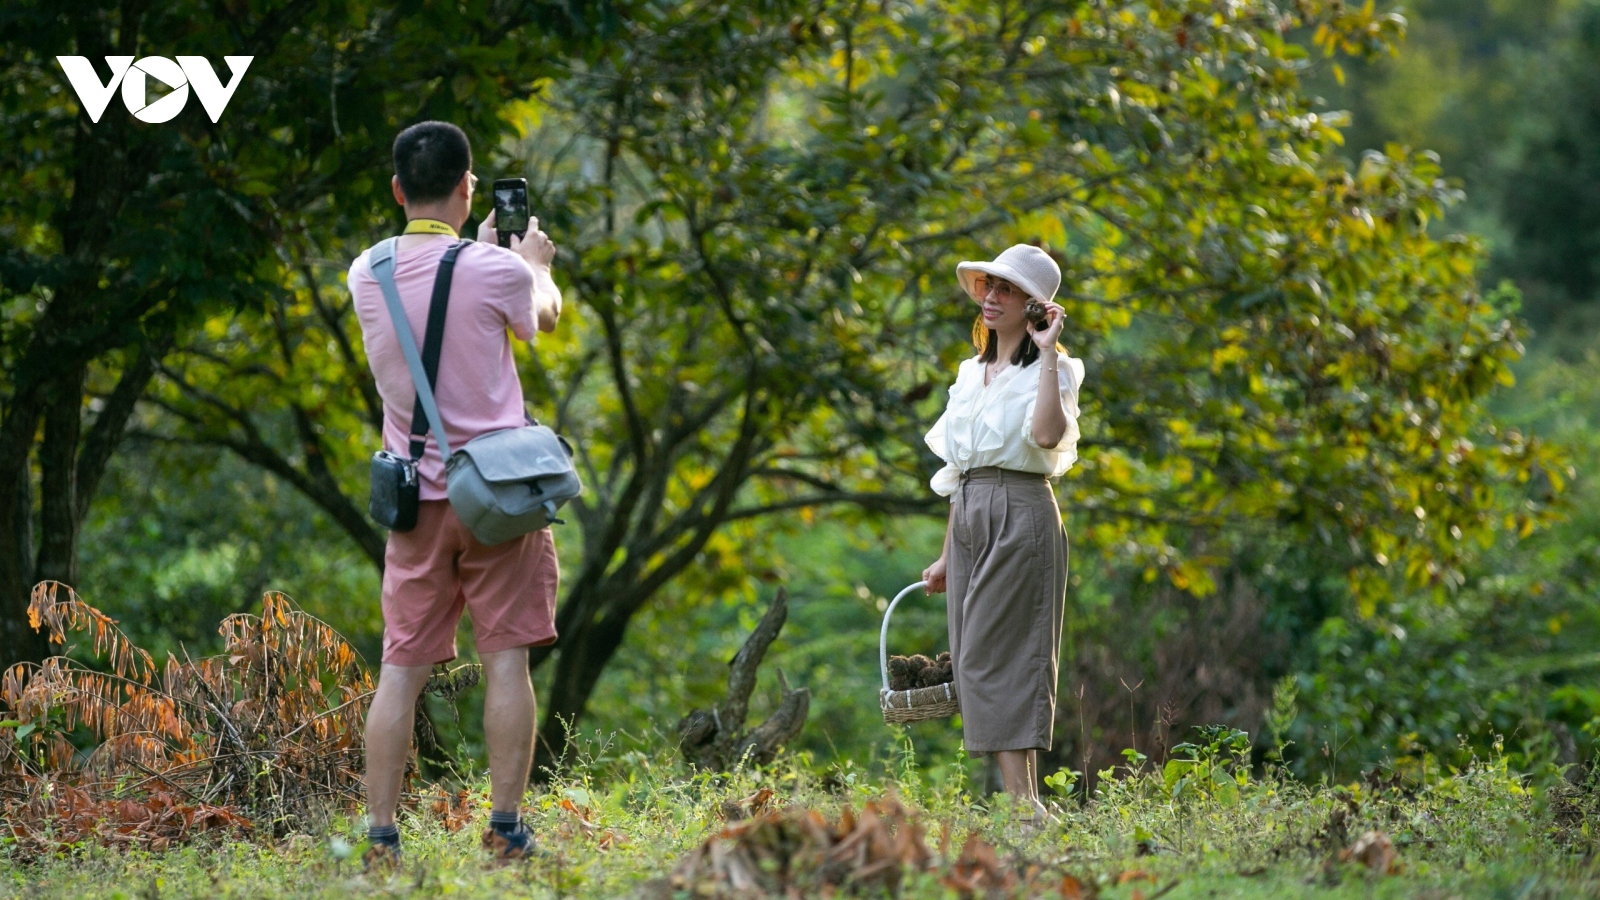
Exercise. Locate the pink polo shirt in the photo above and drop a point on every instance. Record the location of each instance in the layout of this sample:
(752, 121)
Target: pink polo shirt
(477, 390)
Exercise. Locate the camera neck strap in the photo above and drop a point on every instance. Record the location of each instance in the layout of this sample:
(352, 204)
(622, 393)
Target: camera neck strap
(424, 366)
(429, 226)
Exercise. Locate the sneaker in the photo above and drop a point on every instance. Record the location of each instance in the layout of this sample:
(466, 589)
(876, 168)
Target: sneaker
(506, 847)
(381, 858)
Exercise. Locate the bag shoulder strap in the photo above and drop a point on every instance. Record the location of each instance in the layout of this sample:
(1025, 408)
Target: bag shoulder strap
(424, 367)
(432, 340)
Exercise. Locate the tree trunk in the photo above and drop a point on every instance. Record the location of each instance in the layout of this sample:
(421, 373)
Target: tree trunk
(717, 740)
(593, 621)
(106, 433)
(47, 378)
(58, 478)
(582, 658)
(18, 641)
(71, 463)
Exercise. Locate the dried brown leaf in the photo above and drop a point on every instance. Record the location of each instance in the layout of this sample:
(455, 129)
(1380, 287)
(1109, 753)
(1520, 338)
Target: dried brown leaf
(1374, 850)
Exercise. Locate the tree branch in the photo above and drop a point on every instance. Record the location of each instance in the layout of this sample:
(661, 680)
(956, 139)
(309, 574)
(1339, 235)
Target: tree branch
(106, 432)
(357, 370)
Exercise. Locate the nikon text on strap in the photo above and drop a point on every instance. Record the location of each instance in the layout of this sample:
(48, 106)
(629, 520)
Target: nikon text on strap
(429, 226)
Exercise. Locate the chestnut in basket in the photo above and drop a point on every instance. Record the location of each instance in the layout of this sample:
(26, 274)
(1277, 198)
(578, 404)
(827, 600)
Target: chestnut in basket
(911, 672)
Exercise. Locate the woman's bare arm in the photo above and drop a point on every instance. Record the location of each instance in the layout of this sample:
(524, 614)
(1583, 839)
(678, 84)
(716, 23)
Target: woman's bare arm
(1049, 418)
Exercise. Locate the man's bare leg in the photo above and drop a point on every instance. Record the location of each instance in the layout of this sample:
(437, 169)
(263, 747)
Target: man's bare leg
(389, 725)
(508, 715)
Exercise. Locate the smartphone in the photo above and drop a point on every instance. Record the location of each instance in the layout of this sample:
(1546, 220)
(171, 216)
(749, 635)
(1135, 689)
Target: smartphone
(510, 208)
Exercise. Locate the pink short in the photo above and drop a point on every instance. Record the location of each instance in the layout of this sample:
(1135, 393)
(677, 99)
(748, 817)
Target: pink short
(438, 568)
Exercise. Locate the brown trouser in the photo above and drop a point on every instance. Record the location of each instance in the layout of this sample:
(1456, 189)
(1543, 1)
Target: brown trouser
(1007, 582)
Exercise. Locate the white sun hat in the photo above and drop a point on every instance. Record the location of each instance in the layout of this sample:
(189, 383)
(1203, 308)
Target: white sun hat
(1024, 265)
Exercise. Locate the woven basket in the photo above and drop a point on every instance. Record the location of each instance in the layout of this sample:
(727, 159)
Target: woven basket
(917, 704)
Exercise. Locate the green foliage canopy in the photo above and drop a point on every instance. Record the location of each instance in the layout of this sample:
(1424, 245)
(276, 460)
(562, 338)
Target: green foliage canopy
(760, 208)
(120, 237)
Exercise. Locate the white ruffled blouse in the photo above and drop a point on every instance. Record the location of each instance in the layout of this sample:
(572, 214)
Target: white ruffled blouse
(992, 425)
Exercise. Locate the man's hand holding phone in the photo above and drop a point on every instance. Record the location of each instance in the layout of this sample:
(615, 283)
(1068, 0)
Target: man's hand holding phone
(536, 247)
(540, 252)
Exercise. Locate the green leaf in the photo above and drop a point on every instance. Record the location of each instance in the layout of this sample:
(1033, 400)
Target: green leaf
(1226, 790)
(1062, 781)
(1175, 770)
(1190, 751)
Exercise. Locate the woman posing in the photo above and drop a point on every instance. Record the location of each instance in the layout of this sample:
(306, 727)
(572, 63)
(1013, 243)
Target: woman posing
(1010, 424)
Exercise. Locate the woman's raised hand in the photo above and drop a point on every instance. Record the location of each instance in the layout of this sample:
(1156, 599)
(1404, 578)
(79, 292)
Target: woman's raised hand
(1056, 317)
(934, 576)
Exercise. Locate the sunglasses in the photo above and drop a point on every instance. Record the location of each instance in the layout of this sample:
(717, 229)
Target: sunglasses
(1002, 288)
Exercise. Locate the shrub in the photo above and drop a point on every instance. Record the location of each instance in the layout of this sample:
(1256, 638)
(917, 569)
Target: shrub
(263, 735)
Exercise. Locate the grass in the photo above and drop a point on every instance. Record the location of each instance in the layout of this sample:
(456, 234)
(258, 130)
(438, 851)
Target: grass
(1202, 829)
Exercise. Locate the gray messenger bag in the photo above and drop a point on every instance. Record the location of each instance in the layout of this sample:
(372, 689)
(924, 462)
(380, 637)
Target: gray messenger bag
(503, 484)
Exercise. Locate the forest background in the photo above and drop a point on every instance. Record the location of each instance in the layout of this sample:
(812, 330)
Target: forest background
(758, 251)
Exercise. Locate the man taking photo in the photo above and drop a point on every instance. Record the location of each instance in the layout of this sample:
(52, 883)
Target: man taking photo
(437, 569)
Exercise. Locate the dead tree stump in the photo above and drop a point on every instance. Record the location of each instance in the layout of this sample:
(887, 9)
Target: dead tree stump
(717, 739)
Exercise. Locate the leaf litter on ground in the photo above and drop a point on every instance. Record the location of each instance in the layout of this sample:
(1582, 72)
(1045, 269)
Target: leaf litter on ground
(798, 851)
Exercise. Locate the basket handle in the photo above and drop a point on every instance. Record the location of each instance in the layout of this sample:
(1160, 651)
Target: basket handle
(883, 636)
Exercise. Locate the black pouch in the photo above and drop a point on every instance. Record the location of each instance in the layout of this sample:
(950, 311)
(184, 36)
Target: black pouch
(395, 491)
